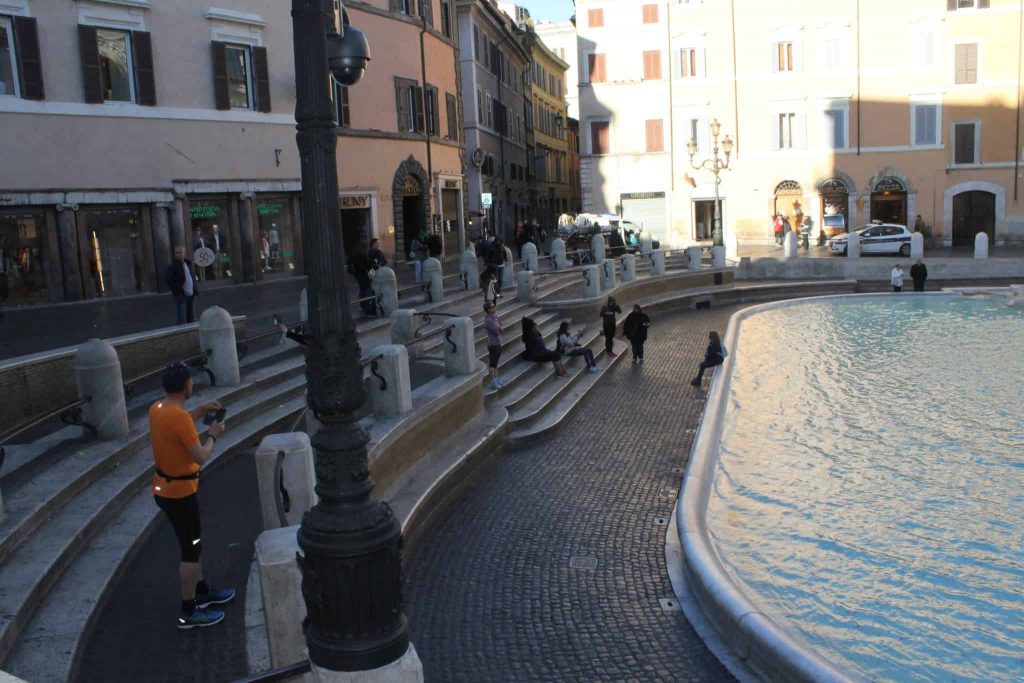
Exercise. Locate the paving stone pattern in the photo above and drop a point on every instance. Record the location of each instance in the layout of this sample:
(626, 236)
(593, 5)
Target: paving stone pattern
(489, 589)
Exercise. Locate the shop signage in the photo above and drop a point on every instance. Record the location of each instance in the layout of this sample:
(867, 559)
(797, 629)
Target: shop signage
(833, 186)
(452, 184)
(889, 185)
(355, 201)
(410, 186)
(204, 211)
(268, 208)
(486, 200)
(643, 195)
(203, 257)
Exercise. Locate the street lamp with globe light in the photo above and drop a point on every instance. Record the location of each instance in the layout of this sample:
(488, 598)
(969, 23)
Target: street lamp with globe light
(716, 164)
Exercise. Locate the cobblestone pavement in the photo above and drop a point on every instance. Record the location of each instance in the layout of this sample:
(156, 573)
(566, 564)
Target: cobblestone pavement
(490, 592)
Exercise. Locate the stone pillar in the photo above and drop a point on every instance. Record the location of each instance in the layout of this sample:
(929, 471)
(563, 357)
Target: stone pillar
(646, 242)
(178, 227)
(597, 247)
(303, 306)
(98, 375)
(508, 274)
(69, 257)
(558, 260)
(217, 335)
(160, 219)
(460, 360)
(789, 245)
(469, 270)
(981, 245)
(694, 255)
(607, 275)
(657, 262)
(628, 268)
(403, 326)
(406, 669)
(386, 285)
(529, 254)
(251, 263)
(297, 477)
(718, 256)
(395, 398)
(916, 245)
(281, 587)
(853, 245)
(433, 274)
(591, 282)
(524, 286)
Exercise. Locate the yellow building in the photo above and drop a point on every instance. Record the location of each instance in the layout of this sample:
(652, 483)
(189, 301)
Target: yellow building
(549, 183)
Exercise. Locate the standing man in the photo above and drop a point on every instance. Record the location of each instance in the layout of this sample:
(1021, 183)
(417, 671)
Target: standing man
(181, 280)
(919, 273)
(896, 278)
(178, 454)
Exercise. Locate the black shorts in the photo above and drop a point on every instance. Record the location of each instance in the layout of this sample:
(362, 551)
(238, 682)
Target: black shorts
(184, 516)
(494, 354)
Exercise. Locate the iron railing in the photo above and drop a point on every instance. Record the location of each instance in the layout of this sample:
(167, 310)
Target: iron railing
(199, 361)
(70, 414)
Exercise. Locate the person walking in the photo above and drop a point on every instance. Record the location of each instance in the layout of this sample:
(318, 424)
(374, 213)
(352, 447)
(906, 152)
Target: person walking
(569, 345)
(496, 257)
(896, 278)
(608, 322)
(417, 253)
(537, 351)
(494, 329)
(919, 273)
(777, 226)
(714, 354)
(375, 256)
(180, 278)
(635, 328)
(179, 454)
(489, 283)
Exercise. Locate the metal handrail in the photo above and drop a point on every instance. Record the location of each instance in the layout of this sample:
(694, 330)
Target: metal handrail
(376, 299)
(70, 414)
(199, 361)
(427, 320)
(281, 674)
(372, 362)
(243, 346)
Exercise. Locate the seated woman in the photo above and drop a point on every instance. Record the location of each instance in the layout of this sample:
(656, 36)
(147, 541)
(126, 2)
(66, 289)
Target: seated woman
(535, 349)
(569, 345)
(714, 355)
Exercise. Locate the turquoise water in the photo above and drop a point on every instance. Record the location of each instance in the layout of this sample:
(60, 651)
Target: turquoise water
(870, 485)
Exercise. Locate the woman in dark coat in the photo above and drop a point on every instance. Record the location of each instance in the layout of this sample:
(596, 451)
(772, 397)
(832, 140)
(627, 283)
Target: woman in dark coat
(635, 329)
(536, 351)
(714, 355)
(608, 313)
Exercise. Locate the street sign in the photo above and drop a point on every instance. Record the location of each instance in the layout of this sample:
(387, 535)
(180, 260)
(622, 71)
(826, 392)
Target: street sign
(485, 200)
(203, 257)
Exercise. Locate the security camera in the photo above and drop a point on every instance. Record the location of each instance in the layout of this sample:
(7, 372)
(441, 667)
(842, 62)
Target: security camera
(347, 54)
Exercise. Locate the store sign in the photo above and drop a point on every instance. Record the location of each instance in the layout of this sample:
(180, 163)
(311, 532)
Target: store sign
(204, 211)
(889, 185)
(203, 257)
(355, 201)
(643, 195)
(452, 184)
(486, 200)
(268, 208)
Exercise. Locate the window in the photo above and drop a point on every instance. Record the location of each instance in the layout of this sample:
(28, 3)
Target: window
(965, 148)
(409, 105)
(407, 7)
(652, 65)
(241, 77)
(25, 261)
(8, 61)
(834, 128)
(433, 115)
(953, 5)
(650, 14)
(452, 110)
(479, 107)
(655, 135)
(596, 68)
(595, 18)
(784, 56)
(966, 63)
(925, 124)
(600, 137)
(924, 48)
(687, 62)
(446, 19)
(239, 88)
(489, 114)
(787, 121)
(117, 66)
(832, 53)
(341, 108)
(476, 43)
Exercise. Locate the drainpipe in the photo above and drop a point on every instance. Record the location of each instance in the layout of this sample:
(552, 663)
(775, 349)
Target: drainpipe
(426, 124)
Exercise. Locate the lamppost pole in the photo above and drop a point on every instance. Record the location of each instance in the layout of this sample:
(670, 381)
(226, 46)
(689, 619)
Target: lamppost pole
(350, 558)
(716, 164)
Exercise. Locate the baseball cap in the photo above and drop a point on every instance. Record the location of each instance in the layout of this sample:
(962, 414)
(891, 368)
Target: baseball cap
(175, 376)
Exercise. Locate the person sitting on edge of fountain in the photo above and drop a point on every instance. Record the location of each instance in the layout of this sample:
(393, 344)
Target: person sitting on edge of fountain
(537, 351)
(714, 354)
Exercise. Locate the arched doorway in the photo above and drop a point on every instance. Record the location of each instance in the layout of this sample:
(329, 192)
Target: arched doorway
(889, 201)
(835, 202)
(410, 203)
(788, 194)
(973, 212)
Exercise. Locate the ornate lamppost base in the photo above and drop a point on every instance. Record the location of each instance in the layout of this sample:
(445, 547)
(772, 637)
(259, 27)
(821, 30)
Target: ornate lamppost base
(406, 669)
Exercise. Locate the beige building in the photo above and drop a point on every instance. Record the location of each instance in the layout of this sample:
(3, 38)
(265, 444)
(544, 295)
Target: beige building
(549, 184)
(839, 115)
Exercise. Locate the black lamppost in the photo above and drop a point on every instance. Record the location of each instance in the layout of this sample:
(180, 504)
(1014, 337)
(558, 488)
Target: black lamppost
(350, 560)
(716, 165)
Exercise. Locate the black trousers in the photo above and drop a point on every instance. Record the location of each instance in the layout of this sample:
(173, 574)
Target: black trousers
(638, 348)
(707, 364)
(609, 337)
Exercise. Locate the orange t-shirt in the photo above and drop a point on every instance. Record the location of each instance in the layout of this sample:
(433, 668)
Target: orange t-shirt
(171, 433)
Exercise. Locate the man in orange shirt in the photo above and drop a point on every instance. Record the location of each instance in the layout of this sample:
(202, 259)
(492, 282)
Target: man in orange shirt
(179, 454)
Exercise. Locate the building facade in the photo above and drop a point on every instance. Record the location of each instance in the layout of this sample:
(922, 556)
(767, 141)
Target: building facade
(560, 37)
(862, 111)
(549, 149)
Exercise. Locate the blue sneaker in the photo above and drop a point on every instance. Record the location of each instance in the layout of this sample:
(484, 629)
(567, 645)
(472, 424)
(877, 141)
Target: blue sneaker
(216, 596)
(200, 618)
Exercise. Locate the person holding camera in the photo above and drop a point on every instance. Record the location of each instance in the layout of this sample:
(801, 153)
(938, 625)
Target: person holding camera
(178, 454)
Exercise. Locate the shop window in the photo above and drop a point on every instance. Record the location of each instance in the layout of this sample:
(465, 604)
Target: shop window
(21, 70)
(925, 124)
(211, 230)
(23, 258)
(115, 251)
(965, 147)
(966, 63)
(276, 235)
(241, 77)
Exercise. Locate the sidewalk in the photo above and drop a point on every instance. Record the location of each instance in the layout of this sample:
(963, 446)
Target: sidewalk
(815, 251)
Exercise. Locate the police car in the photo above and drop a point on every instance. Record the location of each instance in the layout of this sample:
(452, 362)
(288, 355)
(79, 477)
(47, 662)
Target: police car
(876, 238)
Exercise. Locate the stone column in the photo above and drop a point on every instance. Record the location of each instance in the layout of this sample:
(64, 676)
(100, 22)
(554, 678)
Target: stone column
(789, 246)
(403, 326)
(385, 284)
(658, 262)
(251, 261)
(69, 256)
(607, 275)
(162, 252)
(433, 274)
(297, 477)
(718, 256)
(529, 254)
(468, 266)
(177, 215)
(694, 255)
(853, 245)
(916, 245)
(558, 260)
(597, 247)
(981, 245)
(628, 268)
(98, 378)
(303, 306)
(646, 242)
(459, 344)
(395, 399)
(217, 335)
(508, 277)
(281, 587)
(524, 286)
(591, 282)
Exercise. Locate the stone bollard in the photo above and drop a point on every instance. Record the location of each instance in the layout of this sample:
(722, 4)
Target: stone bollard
(98, 375)
(789, 245)
(386, 285)
(1016, 296)
(508, 273)
(217, 335)
(591, 282)
(657, 262)
(732, 247)
(981, 245)
(303, 306)
(597, 247)
(468, 268)
(646, 242)
(395, 398)
(280, 585)
(558, 259)
(694, 256)
(529, 254)
(524, 286)
(916, 245)
(853, 245)
(718, 256)
(607, 275)
(434, 276)
(628, 268)
(297, 477)
(459, 344)
(403, 326)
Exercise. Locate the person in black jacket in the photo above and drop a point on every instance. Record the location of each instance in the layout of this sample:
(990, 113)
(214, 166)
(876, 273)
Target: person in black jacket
(608, 313)
(536, 351)
(635, 329)
(919, 273)
(714, 355)
(180, 278)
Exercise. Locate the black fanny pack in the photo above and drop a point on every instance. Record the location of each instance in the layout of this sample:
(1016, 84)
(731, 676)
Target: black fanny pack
(187, 477)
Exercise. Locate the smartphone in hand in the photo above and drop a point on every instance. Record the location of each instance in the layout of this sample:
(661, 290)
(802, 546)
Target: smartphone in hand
(217, 416)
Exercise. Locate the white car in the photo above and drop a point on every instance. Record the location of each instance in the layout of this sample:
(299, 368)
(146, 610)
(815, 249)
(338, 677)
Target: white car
(877, 238)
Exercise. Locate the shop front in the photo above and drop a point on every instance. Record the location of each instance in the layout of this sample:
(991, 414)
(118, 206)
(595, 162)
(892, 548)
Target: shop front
(215, 248)
(118, 251)
(835, 202)
(356, 220)
(889, 201)
(29, 266)
(452, 234)
(276, 238)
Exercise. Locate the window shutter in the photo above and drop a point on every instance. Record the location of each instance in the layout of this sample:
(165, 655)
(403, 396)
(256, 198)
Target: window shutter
(402, 106)
(427, 7)
(595, 18)
(145, 84)
(344, 116)
(450, 109)
(221, 97)
(951, 5)
(421, 126)
(261, 78)
(89, 50)
(972, 63)
(982, 4)
(777, 131)
(960, 66)
(435, 114)
(776, 52)
(30, 65)
(395, 5)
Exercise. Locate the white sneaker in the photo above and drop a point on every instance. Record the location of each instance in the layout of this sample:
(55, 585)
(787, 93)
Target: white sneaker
(594, 368)
(495, 384)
